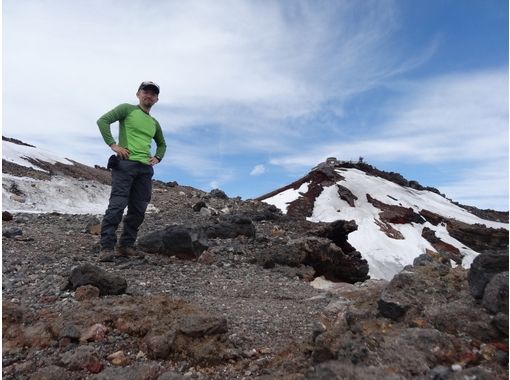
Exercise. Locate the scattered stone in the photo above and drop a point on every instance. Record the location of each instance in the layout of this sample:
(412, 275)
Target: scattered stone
(51, 372)
(171, 376)
(93, 226)
(135, 372)
(11, 232)
(83, 357)
(118, 358)
(86, 292)
(7, 216)
(205, 212)
(96, 333)
(199, 206)
(70, 331)
(207, 257)
(159, 346)
(199, 326)
(88, 274)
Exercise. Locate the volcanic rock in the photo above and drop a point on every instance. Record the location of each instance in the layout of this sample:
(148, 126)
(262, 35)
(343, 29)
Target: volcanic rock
(395, 214)
(83, 357)
(183, 242)
(479, 237)
(495, 295)
(484, 267)
(11, 232)
(230, 227)
(88, 274)
(145, 371)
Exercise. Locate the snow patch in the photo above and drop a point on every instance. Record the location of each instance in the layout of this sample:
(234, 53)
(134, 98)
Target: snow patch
(283, 199)
(18, 154)
(62, 194)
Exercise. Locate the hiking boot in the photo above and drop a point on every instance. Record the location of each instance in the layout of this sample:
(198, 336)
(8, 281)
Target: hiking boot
(106, 255)
(129, 252)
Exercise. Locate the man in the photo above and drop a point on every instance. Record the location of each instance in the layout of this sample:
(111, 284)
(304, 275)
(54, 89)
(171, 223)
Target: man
(132, 169)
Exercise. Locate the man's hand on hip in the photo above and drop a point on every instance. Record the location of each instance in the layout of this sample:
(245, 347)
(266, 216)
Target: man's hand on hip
(121, 152)
(153, 161)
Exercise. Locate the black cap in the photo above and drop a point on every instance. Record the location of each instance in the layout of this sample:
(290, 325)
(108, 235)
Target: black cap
(148, 84)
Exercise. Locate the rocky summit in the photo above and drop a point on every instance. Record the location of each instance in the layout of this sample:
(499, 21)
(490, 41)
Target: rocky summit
(241, 289)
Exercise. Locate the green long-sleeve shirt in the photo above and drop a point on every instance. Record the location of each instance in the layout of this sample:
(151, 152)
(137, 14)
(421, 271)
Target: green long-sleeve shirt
(137, 129)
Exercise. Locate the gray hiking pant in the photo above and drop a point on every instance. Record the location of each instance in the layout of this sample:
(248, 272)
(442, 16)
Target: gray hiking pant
(131, 187)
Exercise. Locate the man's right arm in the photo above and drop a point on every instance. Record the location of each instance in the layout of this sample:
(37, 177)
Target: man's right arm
(104, 122)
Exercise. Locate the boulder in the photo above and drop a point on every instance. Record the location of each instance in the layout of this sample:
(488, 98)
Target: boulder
(217, 193)
(495, 295)
(88, 274)
(326, 258)
(394, 301)
(183, 242)
(231, 227)
(484, 267)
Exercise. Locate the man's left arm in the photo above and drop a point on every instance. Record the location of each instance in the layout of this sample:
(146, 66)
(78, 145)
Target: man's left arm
(160, 145)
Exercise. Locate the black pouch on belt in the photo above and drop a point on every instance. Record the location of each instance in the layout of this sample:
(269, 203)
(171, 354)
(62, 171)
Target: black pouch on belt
(113, 162)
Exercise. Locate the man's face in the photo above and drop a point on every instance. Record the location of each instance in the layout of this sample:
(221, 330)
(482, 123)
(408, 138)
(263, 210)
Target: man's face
(147, 97)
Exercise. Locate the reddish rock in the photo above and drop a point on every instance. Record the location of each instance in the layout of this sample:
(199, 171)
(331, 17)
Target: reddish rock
(86, 292)
(95, 333)
(395, 214)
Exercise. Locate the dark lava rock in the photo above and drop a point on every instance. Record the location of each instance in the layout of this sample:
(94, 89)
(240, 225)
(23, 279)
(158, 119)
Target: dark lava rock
(495, 296)
(6, 216)
(479, 237)
(107, 283)
(500, 322)
(231, 227)
(393, 303)
(183, 242)
(395, 214)
(199, 205)
(320, 253)
(346, 195)
(217, 193)
(198, 326)
(83, 357)
(11, 232)
(484, 267)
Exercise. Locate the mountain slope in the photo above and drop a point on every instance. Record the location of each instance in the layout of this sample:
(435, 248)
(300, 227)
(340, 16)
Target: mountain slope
(34, 180)
(396, 222)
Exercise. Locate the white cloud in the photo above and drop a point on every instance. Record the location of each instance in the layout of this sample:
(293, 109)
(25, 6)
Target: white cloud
(246, 65)
(448, 118)
(258, 170)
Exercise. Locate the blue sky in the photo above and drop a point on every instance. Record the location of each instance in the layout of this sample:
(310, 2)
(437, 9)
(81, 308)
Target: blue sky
(255, 93)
